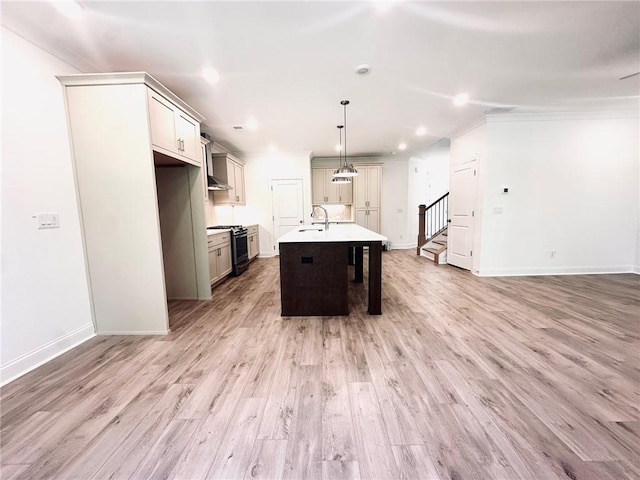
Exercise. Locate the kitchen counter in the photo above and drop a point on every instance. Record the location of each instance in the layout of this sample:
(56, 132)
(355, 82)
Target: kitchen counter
(215, 231)
(342, 232)
(314, 268)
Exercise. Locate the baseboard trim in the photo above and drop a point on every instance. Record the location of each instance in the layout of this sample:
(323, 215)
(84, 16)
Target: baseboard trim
(127, 332)
(183, 298)
(532, 272)
(402, 246)
(32, 360)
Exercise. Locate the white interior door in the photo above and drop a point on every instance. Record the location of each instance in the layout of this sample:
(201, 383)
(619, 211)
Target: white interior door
(288, 207)
(461, 214)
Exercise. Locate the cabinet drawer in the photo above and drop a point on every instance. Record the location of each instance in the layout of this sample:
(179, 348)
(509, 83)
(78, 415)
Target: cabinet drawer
(252, 230)
(218, 239)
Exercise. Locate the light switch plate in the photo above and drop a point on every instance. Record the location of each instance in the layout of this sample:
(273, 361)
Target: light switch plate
(497, 210)
(48, 220)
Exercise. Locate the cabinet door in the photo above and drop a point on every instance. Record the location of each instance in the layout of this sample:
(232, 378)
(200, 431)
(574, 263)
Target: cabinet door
(360, 188)
(238, 173)
(361, 217)
(224, 259)
(231, 179)
(332, 189)
(188, 132)
(213, 265)
(346, 193)
(373, 220)
(373, 186)
(253, 246)
(317, 186)
(163, 125)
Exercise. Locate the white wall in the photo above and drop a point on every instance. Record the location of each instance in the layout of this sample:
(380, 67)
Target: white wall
(45, 297)
(573, 188)
(428, 180)
(259, 170)
(393, 212)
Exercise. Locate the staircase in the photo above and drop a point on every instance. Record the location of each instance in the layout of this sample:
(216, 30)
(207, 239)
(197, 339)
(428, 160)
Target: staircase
(432, 230)
(436, 248)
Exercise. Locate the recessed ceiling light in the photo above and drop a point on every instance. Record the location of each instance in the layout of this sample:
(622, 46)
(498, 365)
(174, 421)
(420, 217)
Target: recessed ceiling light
(402, 146)
(363, 69)
(420, 131)
(69, 8)
(210, 75)
(461, 99)
(252, 124)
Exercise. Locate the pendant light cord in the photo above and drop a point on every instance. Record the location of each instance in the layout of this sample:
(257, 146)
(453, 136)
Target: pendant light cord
(345, 133)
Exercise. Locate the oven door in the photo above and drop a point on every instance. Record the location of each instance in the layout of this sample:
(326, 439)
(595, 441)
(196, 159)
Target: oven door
(240, 253)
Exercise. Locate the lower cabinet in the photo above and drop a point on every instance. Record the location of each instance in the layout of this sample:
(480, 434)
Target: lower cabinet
(368, 218)
(254, 241)
(219, 256)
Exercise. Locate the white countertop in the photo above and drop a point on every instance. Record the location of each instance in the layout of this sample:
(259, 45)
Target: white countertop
(216, 231)
(344, 232)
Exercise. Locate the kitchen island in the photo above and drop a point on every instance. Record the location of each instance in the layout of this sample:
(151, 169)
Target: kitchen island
(314, 269)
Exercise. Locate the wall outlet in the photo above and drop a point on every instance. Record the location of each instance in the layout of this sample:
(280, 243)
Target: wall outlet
(552, 254)
(47, 220)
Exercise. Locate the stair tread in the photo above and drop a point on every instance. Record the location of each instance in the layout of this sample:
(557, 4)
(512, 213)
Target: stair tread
(440, 242)
(434, 250)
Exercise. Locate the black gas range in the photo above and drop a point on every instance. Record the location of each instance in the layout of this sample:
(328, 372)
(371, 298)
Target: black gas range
(239, 247)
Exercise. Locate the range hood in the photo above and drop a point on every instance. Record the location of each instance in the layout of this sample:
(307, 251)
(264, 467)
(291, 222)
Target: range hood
(214, 183)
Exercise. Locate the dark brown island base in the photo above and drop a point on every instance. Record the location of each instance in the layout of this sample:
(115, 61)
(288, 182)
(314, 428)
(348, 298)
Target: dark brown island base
(314, 269)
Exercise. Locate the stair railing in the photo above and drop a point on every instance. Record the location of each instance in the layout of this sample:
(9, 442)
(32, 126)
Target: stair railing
(432, 220)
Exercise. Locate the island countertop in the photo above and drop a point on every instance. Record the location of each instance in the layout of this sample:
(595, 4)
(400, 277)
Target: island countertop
(349, 232)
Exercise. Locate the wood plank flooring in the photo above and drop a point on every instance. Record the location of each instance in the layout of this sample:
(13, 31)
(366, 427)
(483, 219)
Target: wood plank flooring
(460, 378)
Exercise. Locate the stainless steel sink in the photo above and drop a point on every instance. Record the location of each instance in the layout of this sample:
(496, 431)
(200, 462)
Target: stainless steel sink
(311, 229)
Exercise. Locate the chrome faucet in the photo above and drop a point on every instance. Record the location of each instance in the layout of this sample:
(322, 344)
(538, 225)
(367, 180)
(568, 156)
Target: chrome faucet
(326, 216)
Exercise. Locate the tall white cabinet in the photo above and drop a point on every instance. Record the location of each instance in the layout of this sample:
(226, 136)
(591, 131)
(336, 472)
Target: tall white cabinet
(366, 194)
(123, 128)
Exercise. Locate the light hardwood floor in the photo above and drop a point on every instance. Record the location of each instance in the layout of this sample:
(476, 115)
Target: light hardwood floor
(460, 378)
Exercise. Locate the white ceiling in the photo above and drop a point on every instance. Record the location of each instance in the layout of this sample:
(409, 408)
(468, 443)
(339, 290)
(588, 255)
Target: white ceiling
(288, 64)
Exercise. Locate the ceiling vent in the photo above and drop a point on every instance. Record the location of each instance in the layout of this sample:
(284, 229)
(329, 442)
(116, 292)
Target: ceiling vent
(238, 127)
(498, 110)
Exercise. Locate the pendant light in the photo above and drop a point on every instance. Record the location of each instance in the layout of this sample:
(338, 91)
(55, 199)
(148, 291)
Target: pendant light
(340, 180)
(345, 171)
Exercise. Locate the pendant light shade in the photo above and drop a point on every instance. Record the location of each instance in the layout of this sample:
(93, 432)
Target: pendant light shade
(340, 180)
(345, 170)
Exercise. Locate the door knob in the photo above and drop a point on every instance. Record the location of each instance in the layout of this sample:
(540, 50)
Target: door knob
(448, 220)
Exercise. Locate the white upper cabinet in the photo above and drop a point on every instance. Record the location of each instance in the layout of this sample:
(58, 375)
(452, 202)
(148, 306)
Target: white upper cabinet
(327, 192)
(366, 186)
(229, 169)
(173, 132)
